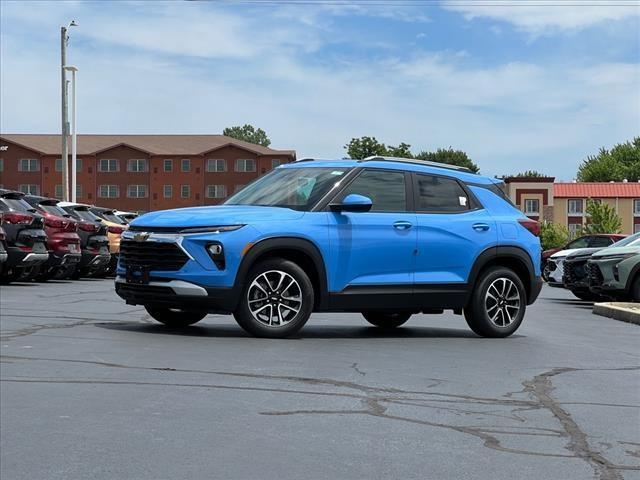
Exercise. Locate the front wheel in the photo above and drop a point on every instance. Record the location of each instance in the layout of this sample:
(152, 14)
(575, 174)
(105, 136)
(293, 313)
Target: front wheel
(498, 303)
(175, 317)
(277, 300)
(386, 319)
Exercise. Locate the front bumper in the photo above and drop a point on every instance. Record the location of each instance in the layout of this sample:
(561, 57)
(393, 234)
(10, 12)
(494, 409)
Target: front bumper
(178, 294)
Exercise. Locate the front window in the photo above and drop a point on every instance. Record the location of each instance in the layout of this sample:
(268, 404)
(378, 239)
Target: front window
(246, 165)
(137, 165)
(30, 189)
(295, 188)
(575, 206)
(387, 190)
(137, 191)
(532, 206)
(28, 165)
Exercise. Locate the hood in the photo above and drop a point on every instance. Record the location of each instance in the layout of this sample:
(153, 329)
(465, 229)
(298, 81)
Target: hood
(617, 251)
(564, 253)
(218, 215)
(583, 252)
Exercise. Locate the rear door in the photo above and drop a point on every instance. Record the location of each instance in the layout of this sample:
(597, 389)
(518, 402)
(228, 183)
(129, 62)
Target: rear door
(453, 229)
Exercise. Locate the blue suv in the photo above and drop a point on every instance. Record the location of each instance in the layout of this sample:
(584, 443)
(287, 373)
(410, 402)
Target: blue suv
(386, 237)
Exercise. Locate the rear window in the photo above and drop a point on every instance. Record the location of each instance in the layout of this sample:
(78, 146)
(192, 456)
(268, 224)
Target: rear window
(440, 195)
(53, 210)
(19, 205)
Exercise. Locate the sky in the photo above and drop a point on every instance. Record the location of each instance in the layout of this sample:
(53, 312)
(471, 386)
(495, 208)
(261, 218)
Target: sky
(518, 85)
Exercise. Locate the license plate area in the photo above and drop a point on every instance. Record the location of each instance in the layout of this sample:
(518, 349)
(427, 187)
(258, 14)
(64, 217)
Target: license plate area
(137, 274)
(73, 248)
(39, 247)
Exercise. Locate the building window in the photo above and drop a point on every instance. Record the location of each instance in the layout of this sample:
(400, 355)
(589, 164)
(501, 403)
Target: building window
(168, 165)
(28, 165)
(108, 165)
(216, 191)
(185, 191)
(636, 206)
(276, 162)
(245, 165)
(59, 164)
(575, 206)
(185, 165)
(109, 191)
(238, 188)
(1, 164)
(78, 191)
(30, 189)
(58, 191)
(137, 165)
(216, 165)
(137, 191)
(531, 206)
(575, 229)
(636, 227)
(167, 191)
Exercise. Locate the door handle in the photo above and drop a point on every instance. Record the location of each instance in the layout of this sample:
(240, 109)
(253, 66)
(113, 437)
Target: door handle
(481, 227)
(402, 225)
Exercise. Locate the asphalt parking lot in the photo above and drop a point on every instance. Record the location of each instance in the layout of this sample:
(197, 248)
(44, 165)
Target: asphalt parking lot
(93, 388)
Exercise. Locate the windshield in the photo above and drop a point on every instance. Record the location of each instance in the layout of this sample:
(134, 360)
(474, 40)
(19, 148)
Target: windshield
(295, 188)
(53, 210)
(631, 240)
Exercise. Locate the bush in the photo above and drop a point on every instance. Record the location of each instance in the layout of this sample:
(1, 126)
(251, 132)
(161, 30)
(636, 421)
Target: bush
(553, 235)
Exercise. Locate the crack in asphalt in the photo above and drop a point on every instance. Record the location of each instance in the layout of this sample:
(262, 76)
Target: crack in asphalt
(376, 401)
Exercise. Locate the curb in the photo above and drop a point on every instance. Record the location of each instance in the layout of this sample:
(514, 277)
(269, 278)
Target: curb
(625, 312)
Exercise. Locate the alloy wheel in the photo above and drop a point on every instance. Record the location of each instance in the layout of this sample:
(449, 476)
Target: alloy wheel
(274, 298)
(502, 302)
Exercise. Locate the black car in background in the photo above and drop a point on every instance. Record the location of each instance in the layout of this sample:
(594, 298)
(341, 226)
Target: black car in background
(26, 239)
(94, 243)
(575, 275)
(3, 246)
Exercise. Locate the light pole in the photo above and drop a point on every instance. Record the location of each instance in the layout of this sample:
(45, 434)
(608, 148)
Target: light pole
(74, 129)
(64, 38)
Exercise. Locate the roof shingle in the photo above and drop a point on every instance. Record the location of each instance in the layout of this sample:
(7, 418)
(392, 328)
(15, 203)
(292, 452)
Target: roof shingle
(597, 190)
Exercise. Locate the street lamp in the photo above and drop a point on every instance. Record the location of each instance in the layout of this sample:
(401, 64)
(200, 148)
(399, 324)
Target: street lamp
(65, 127)
(74, 129)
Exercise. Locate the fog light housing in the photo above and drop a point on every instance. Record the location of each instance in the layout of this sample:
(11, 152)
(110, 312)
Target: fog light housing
(216, 252)
(616, 273)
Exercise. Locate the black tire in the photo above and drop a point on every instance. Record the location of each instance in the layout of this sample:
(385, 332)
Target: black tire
(267, 274)
(587, 296)
(175, 317)
(476, 313)
(386, 319)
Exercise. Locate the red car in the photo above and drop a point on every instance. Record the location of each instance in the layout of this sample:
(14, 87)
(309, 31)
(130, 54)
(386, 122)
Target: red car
(62, 238)
(598, 240)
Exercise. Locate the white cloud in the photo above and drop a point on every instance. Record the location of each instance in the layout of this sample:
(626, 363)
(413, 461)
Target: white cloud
(536, 17)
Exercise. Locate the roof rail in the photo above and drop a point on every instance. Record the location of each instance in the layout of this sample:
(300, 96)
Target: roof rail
(417, 162)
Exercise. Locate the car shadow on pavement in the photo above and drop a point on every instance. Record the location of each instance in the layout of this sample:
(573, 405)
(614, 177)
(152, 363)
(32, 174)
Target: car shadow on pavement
(310, 331)
(575, 303)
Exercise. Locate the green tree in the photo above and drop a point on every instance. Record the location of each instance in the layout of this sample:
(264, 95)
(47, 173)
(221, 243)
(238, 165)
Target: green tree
(248, 133)
(401, 151)
(619, 163)
(553, 235)
(451, 157)
(364, 147)
(529, 174)
(602, 218)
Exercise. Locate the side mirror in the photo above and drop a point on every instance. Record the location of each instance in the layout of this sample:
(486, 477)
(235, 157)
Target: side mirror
(352, 203)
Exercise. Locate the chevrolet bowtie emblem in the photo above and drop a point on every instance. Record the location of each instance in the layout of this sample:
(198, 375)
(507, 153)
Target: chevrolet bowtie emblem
(141, 236)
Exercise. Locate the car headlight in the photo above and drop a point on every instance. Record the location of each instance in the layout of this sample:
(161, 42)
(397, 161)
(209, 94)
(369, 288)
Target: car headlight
(215, 229)
(618, 257)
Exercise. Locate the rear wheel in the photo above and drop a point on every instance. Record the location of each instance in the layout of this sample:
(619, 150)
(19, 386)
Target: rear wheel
(175, 317)
(386, 319)
(498, 303)
(277, 300)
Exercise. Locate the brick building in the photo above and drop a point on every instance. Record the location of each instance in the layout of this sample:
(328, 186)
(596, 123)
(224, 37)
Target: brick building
(566, 203)
(138, 172)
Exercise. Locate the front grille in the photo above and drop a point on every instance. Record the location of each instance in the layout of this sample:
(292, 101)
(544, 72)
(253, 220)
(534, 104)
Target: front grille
(152, 255)
(574, 272)
(595, 275)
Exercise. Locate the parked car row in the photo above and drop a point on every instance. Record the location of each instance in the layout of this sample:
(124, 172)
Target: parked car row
(42, 238)
(595, 269)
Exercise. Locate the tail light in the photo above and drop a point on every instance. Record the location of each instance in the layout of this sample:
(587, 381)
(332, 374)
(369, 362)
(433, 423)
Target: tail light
(88, 227)
(117, 230)
(18, 218)
(54, 222)
(531, 225)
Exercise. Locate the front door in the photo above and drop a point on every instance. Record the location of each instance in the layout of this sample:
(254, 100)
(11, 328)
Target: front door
(373, 250)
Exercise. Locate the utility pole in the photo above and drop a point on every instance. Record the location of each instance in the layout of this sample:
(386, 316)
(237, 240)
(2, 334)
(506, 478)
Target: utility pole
(65, 124)
(65, 107)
